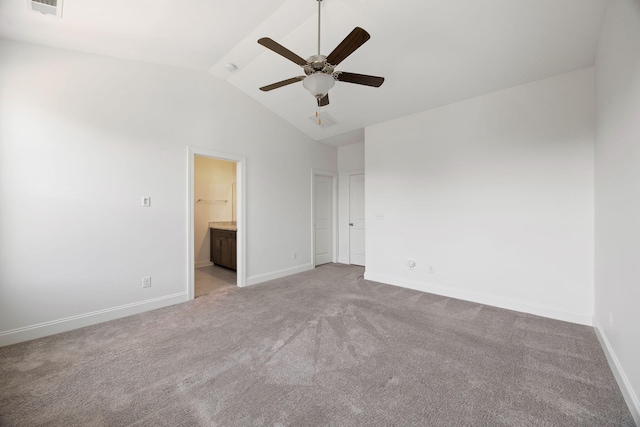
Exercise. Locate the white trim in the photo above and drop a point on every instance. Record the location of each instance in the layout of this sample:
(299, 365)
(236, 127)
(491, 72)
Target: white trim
(334, 213)
(630, 397)
(488, 299)
(241, 237)
(81, 320)
(202, 264)
(260, 278)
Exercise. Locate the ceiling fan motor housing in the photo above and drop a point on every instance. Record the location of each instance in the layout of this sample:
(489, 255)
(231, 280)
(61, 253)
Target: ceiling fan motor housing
(318, 63)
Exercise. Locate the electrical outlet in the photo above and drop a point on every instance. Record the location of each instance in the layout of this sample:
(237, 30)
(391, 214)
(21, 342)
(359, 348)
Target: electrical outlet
(146, 282)
(431, 269)
(411, 264)
(294, 255)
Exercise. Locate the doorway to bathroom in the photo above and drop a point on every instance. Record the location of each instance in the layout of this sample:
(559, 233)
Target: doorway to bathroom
(215, 224)
(216, 245)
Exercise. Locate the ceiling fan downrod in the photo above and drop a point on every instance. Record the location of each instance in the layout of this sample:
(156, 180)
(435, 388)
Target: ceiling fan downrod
(318, 106)
(319, 2)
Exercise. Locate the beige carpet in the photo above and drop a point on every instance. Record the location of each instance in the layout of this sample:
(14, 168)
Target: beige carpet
(321, 348)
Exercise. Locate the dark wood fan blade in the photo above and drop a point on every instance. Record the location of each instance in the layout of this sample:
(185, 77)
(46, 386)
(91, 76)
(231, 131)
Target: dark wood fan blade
(353, 41)
(281, 50)
(282, 83)
(323, 101)
(360, 79)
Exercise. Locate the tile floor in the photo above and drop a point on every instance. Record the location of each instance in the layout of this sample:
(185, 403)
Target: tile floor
(213, 278)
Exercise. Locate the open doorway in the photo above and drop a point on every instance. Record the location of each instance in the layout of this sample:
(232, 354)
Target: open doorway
(216, 222)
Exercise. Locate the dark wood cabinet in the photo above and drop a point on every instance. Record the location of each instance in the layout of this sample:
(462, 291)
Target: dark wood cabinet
(223, 248)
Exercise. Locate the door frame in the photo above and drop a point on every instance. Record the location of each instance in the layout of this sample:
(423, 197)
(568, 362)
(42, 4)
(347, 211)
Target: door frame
(334, 213)
(241, 214)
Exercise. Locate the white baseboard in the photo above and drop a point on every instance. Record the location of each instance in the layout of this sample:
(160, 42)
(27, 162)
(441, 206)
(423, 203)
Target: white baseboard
(488, 299)
(630, 397)
(343, 260)
(199, 264)
(254, 280)
(40, 330)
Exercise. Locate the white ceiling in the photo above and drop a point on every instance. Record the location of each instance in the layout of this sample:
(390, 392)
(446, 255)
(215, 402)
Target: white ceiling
(431, 52)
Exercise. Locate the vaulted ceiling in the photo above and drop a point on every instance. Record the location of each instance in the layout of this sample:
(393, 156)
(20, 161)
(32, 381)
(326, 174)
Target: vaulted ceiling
(431, 52)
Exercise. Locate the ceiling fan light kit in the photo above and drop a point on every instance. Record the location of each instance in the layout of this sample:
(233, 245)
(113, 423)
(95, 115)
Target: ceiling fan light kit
(320, 75)
(318, 84)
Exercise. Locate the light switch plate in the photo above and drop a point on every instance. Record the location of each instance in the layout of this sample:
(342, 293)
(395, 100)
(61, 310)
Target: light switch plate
(146, 201)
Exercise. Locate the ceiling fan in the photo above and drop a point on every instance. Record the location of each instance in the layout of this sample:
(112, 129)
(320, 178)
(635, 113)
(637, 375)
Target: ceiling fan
(320, 74)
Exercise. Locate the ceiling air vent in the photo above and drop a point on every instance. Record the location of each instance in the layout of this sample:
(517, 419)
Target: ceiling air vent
(325, 120)
(46, 7)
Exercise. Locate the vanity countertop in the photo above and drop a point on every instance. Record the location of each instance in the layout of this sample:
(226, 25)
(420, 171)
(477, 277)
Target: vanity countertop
(224, 225)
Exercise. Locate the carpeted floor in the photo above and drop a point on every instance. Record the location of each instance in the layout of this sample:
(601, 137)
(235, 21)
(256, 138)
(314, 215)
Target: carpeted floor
(318, 348)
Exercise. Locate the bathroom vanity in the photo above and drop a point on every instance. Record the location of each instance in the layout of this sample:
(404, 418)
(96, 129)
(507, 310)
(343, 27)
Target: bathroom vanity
(223, 243)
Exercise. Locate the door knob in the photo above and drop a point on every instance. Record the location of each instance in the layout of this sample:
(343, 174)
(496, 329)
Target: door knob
(350, 224)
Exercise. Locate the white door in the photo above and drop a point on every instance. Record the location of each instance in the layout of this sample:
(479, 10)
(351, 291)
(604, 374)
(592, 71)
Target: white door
(356, 219)
(323, 219)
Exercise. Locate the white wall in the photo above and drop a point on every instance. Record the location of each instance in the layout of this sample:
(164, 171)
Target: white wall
(82, 138)
(617, 199)
(350, 161)
(495, 192)
(213, 181)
